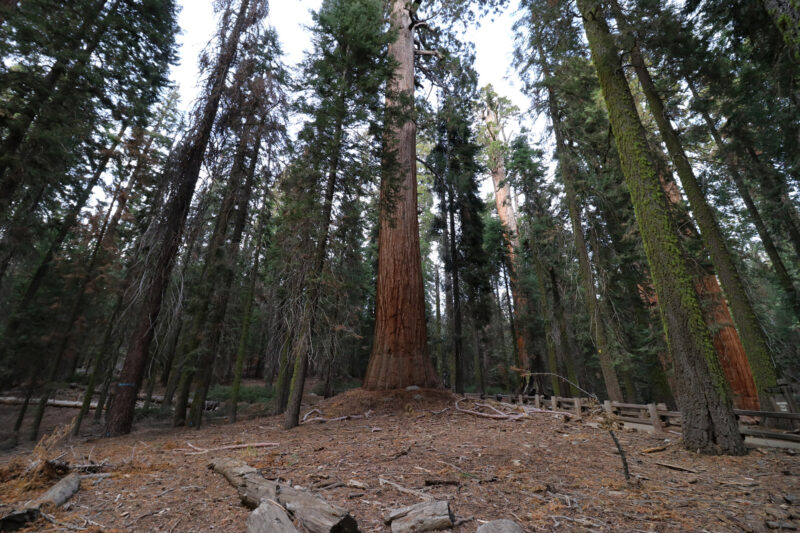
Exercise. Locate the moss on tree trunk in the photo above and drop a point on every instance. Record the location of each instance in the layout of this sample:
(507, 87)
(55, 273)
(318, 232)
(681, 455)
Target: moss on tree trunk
(749, 328)
(704, 398)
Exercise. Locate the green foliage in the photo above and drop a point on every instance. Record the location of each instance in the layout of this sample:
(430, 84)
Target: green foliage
(252, 394)
(339, 385)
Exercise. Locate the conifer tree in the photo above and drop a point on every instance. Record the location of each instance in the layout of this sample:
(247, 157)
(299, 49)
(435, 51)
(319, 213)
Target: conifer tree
(703, 395)
(165, 233)
(344, 73)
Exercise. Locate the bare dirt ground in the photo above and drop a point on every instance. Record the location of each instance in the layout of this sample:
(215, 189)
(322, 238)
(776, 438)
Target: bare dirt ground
(544, 473)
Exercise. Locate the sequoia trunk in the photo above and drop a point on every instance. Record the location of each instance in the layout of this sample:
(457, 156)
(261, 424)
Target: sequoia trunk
(400, 347)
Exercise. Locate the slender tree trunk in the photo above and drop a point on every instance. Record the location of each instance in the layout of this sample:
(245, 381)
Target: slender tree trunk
(507, 357)
(752, 336)
(547, 313)
(97, 365)
(302, 341)
(284, 374)
(479, 369)
(166, 236)
(449, 362)
(704, 397)
(244, 336)
(400, 347)
(439, 331)
(564, 345)
(224, 283)
(764, 234)
(513, 326)
(455, 265)
(596, 323)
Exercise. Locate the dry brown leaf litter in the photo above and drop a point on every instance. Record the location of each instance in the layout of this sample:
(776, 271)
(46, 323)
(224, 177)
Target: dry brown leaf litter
(544, 473)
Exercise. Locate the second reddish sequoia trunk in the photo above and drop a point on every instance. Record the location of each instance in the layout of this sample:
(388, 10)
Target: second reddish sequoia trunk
(727, 344)
(502, 195)
(400, 347)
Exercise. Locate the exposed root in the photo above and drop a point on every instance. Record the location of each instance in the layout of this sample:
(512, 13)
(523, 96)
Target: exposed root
(506, 411)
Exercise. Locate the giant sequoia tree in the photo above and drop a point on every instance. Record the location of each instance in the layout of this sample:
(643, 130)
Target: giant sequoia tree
(326, 222)
(400, 346)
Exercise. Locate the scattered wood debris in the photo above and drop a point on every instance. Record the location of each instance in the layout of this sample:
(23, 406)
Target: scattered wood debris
(195, 450)
(56, 497)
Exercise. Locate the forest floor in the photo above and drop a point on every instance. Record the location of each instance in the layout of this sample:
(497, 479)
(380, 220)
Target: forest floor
(543, 472)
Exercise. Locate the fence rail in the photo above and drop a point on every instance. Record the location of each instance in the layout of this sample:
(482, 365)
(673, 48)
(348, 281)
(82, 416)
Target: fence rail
(660, 418)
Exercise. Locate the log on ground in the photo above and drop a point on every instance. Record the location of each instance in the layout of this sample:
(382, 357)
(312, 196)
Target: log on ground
(316, 514)
(425, 516)
(56, 496)
(269, 517)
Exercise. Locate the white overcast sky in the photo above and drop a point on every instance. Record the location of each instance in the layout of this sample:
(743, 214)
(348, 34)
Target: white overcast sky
(493, 44)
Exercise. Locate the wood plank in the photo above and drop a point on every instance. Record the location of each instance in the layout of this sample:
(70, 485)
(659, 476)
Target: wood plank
(791, 437)
(767, 414)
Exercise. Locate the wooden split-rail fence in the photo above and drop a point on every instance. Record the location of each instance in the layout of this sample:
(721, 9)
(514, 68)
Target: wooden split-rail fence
(766, 426)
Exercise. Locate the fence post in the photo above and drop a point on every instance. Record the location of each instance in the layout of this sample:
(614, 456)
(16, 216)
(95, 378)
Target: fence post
(537, 401)
(607, 407)
(554, 403)
(655, 418)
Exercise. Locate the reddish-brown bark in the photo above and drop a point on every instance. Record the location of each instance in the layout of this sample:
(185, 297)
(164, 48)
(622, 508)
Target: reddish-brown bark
(400, 347)
(727, 344)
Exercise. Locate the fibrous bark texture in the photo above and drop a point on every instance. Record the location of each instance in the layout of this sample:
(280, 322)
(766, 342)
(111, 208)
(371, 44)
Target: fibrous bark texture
(400, 348)
(166, 237)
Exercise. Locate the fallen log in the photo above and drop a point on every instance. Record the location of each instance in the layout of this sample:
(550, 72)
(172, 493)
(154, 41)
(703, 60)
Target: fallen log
(269, 517)
(11, 400)
(56, 497)
(425, 516)
(314, 513)
(252, 487)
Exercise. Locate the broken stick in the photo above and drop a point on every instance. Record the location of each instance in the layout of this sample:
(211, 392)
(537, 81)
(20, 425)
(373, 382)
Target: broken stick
(404, 490)
(200, 451)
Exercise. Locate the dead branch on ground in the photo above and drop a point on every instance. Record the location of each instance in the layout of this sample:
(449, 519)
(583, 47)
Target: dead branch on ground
(196, 450)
